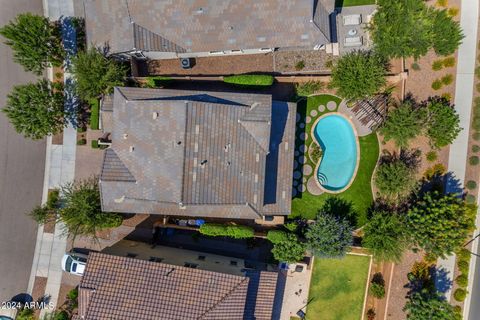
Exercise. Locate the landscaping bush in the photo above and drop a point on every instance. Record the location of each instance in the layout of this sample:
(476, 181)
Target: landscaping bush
(290, 250)
(475, 148)
(474, 160)
(477, 71)
(371, 314)
(53, 199)
(415, 66)
(470, 199)
(478, 87)
(463, 266)
(403, 124)
(462, 280)
(476, 136)
(377, 290)
(40, 214)
(249, 80)
(447, 79)
(447, 96)
(437, 85)
(463, 254)
(291, 226)
(94, 113)
(442, 3)
(471, 185)
(304, 89)
(437, 65)
(82, 142)
(26, 314)
(73, 294)
(276, 236)
(315, 152)
(157, 81)
(449, 62)
(431, 156)
(94, 144)
(300, 65)
(81, 129)
(62, 315)
(232, 231)
(443, 122)
(460, 294)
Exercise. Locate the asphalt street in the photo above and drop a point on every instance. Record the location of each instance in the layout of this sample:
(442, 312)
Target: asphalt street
(22, 164)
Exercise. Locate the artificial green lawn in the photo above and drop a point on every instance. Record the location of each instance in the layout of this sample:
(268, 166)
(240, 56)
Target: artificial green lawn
(352, 3)
(250, 80)
(359, 194)
(337, 288)
(94, 113)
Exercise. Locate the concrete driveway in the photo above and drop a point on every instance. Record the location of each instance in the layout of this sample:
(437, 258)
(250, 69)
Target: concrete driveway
(22, 165)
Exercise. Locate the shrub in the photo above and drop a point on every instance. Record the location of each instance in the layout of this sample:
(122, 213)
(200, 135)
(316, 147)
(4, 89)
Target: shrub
(447, 79)
(437, 85)
(300, 65)
(475, 148)
(73, 294)
(442, 3)
(62, 315)
(477, 71)
(291, 226)
(431, 156)
(81, 129)
(276, 236)
(291, 250)
(232, 231)
(449, 62)
(470, 199)
(395, 179)
(40, 214)
(157, 81)
(463, 254)
(315, 152)
(447, 96)
(53, 199)
(415, 66)
(94, 144)
(94, 113)
(82, 142)
(476, 136)
(371, 314)
(443, 124)
(437, 65)
(477, 86)
(463, 266)
(377, 290)
(471, 185)
(474, 160)
(447, 33)
(26, 314)
(249, 80)
(462, 280)
(453, 11)
(460, 294)
(437, 170)
(307, 88)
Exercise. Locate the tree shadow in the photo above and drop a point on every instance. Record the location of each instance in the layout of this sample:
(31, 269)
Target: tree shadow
(441, 276)
(340, 208)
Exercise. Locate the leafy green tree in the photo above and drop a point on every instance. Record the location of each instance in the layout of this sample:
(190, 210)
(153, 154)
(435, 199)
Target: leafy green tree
(443, 123)
(403, 124)
(385, 236)
(401, 28)
(329, 236)
(359, 74)
(35, 41)
(82, 212)
(440, 223)
(432, 306)
(395, 179)
(232, 231)
(288, 250)
(96, 74)
(447, 33)
(36, 109)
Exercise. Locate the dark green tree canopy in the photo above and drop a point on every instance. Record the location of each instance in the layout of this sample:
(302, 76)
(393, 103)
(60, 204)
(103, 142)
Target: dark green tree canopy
(385, 236)
(425, 305)
(330, 235)
(403, 124)
(443, 122)
(289, 249)
(409, 28)
(82, 213)
(395, 179)
(96, 74)
(440, 223)
(35, 41)
(359, 74)
(36, 109)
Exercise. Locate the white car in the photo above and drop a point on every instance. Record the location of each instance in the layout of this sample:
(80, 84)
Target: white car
(74, 263)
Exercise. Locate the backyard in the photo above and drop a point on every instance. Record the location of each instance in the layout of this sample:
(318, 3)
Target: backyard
(338, 282)
(307, 203)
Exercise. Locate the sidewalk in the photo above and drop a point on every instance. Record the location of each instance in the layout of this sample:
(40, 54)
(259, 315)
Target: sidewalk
(463, 104)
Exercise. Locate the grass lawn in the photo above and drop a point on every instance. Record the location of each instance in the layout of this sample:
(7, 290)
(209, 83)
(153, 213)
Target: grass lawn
(360, 192)
(352, 3)
(250, 80)
(337, 288)
(94, 113)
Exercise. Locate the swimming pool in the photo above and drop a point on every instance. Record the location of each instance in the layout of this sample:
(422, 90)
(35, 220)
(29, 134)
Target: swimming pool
(338, 164)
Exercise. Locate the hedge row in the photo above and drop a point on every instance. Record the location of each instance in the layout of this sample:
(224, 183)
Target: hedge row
(250, 80)
(232, 231)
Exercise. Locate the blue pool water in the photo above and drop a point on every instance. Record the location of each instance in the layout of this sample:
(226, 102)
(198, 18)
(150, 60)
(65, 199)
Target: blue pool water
(338, 142)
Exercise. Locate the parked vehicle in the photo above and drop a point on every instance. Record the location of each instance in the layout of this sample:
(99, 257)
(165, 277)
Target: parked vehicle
(74, 263)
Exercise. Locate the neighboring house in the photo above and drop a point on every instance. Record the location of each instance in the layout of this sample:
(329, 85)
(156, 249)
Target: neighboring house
(160, 29)
(123, 288)
(203, 154)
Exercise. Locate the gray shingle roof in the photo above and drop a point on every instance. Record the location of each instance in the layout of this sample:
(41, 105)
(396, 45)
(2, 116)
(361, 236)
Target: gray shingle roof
(206, 25)
(123, 288)
(194, 153)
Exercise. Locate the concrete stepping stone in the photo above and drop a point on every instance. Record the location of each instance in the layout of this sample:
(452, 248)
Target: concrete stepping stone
(297, 174)
(307, 170)
(295, 183)
(301, 159)
(301, 125)
(296, 153)
(308, 119)
(331, 105)
(299, 116)
(303, 136)
(321, 108)
(312, 186)
(302, 148)
(302, 188)
(295, 164)
(314, 113)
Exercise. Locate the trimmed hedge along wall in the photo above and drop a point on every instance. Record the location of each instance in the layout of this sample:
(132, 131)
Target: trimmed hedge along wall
(250, 80)
(232, 231)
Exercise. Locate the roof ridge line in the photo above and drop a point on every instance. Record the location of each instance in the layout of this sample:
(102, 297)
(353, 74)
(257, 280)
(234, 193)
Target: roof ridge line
(245, 279)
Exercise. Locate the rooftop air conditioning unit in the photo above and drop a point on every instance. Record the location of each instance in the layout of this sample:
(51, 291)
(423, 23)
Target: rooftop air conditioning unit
(186, 63)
